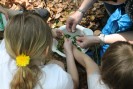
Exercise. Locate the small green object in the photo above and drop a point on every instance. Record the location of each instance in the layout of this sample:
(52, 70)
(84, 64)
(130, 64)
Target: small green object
(67, 36)
(61, 42)
(3, 22)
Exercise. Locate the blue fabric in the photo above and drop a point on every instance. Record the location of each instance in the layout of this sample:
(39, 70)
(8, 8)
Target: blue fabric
(116, 23)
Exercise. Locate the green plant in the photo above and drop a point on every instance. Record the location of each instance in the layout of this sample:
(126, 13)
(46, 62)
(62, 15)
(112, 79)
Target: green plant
(61, 42)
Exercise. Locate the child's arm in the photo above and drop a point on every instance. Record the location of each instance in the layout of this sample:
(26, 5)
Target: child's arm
(71, 66)
(85, 61)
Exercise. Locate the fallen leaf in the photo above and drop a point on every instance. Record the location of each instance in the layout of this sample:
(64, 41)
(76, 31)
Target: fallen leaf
(63, 19)
(59, 24)
(57, 16)
(59, 10)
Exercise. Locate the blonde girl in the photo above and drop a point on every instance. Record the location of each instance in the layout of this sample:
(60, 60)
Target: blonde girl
(25, 57)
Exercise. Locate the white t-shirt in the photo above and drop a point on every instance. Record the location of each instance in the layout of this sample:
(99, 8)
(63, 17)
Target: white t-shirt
(53, 76)
(94, 82)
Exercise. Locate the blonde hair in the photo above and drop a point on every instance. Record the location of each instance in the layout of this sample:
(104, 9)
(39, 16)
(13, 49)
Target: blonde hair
(29, 34)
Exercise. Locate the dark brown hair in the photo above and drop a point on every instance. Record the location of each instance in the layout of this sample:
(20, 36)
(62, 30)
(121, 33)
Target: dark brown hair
(117, 66)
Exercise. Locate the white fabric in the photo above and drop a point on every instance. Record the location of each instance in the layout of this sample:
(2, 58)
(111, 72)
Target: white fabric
(2, 45)
(94, 82)
(54, 77)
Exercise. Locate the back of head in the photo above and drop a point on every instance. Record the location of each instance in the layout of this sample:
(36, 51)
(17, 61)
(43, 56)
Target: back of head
(117, 66)
(27, 34)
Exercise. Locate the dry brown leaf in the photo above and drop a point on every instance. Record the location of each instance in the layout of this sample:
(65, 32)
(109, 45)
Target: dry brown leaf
(59, 10)
(63, 19)
(97, 32)
(57, 16)
(49, 19)
(13, 7)
(30, 7)
(53, 9)
(60, 5)
(60, 1)
(56, 1)
(94, 9)
(91, 25)
(35, 4)
(59, 24)
(53, 25)
(96, 5)
(50, 5)
(92, 18)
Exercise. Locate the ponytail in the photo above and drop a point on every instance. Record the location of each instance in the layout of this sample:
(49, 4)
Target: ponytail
(25, 78)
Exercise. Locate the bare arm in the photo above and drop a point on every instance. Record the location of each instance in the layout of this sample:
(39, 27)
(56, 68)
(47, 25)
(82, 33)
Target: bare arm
(56, 33)
(72, 69)
(76, 17)
(71, 66)
(108, 39)
(85, 61)
(125, 36)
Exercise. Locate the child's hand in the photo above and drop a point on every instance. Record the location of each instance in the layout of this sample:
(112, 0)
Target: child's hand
(74, 47)
(57, 33)
(2, 10)
(86, 41)
(67, 45)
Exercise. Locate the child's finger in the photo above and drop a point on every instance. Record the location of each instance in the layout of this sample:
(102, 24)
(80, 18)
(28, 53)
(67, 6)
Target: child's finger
(65, 39)
(60, 33)
(80, 43)
(79, 38)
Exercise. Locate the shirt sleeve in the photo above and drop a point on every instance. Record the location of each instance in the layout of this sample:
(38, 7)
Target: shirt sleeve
(2, 45)
(94, 82)
(69, 83)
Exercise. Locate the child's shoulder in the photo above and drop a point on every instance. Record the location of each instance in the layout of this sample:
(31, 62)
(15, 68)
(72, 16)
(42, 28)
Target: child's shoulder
(53, 67)
(4, 57)
(54, 72)
(95, 82)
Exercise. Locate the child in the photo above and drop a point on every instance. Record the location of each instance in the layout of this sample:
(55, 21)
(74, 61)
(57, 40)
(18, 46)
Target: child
(44, 13)
(116, 69)
(25, 57)
(2, 10)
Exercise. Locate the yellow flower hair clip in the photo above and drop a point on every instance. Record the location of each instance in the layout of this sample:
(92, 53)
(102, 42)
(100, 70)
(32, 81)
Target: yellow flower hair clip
(22, 60)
